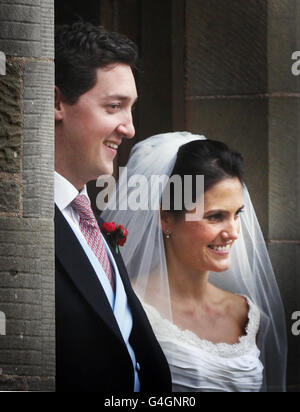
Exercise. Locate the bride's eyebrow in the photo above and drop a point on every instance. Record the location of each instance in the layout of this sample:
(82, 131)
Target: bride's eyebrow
(216, 211)
(220, 211)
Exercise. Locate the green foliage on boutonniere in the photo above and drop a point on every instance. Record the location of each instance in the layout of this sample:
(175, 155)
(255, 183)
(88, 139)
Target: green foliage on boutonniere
(117, 235)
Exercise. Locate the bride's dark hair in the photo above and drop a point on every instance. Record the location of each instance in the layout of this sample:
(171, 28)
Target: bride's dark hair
(210, 158)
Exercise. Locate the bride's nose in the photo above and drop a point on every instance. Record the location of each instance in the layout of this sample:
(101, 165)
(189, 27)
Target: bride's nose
(231, 231)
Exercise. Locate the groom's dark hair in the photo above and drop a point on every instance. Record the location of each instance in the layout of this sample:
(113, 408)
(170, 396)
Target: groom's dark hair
(209, 158)
(80, 49)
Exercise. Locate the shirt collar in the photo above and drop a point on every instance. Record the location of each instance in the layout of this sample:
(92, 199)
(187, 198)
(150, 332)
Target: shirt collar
(65, 192)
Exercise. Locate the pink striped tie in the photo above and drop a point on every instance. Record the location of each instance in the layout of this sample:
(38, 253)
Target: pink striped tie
(90, 230)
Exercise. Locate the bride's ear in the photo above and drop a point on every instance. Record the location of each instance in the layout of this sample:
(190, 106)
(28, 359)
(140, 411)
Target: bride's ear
(166, 221)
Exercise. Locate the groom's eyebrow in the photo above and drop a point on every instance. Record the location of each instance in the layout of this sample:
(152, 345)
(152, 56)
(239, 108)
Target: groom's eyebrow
(120, 97)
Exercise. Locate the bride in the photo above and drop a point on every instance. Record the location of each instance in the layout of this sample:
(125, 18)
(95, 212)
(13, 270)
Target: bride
(207, 285)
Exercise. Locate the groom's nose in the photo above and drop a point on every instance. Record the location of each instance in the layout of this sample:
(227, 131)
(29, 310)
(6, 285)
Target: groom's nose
(126, 128)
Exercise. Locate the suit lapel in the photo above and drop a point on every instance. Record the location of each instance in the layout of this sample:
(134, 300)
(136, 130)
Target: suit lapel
(76, 264)
(134, 304)
(118, 260)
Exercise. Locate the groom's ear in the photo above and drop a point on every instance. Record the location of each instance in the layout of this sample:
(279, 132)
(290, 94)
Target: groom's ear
(58, 109)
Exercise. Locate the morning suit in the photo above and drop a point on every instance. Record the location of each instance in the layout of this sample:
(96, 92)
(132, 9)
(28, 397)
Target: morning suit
(91, 349)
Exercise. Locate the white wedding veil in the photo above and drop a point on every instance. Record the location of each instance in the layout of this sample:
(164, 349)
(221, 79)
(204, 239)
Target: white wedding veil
(250, 273)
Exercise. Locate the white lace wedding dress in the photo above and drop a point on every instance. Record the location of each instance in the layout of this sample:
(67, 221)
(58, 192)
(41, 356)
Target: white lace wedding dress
(201, 366)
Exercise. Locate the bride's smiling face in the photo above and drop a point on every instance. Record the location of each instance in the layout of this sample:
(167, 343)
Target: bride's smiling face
(205, 245)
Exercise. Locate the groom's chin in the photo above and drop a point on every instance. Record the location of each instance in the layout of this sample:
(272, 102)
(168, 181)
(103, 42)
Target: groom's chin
(106, 170)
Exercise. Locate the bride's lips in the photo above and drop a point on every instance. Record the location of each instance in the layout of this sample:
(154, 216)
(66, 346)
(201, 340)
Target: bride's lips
(221, 250)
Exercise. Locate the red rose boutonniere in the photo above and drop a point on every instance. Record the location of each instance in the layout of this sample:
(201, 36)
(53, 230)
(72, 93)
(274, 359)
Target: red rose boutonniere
(116, 234)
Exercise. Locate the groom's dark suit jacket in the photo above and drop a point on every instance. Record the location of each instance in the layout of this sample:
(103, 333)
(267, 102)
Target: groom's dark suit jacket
(90, 352)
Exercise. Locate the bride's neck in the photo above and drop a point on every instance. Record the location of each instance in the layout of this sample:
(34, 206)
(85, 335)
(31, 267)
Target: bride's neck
(187, 285)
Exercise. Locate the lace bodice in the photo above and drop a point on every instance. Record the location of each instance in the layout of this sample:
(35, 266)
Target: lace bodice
(166, 330)
(200, 365)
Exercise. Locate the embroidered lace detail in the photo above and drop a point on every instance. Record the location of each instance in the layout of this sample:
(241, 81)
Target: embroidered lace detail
(167, 331)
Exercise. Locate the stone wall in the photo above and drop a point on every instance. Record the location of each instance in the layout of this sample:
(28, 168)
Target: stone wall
(27, 349)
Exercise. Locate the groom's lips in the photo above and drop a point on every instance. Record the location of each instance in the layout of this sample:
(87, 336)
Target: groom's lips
(112, 146)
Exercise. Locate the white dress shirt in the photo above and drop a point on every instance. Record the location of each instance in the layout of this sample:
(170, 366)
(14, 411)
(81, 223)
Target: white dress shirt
(64, 194)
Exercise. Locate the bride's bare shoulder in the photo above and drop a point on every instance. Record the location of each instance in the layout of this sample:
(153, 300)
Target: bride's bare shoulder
(236, 306)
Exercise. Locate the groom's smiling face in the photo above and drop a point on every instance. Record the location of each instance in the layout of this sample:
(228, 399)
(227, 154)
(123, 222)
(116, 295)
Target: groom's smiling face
(89, 132)
(205, 245)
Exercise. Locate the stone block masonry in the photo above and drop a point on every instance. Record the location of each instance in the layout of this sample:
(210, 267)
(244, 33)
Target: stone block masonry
(27, 348)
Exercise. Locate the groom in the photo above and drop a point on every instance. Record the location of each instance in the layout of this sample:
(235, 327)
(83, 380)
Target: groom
(104, 341)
